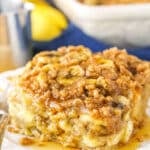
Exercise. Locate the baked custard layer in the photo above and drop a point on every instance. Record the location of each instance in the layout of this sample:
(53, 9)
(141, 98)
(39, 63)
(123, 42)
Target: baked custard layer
(80, 99)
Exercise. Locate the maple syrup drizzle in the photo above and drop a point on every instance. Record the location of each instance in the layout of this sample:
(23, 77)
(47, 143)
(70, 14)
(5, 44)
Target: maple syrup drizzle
(143, 134)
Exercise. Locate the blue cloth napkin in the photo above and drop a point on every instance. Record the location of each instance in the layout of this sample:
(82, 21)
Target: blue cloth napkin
(74, 36)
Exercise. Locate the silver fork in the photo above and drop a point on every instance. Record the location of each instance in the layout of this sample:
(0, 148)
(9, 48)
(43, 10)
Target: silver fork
(3, 123)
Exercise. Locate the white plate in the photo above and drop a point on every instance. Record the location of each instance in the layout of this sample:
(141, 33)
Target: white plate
(11, 141)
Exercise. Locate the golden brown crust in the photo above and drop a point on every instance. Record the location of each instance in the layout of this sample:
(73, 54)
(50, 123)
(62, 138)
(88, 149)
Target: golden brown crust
(73, 77)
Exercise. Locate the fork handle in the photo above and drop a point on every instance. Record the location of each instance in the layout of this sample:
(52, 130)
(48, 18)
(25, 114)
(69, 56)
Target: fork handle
(3, 123)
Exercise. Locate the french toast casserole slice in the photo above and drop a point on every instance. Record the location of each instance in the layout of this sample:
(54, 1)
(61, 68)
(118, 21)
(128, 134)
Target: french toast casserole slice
(80, 99)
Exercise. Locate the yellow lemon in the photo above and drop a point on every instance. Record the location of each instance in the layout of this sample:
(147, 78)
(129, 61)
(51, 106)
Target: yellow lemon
(46, 21)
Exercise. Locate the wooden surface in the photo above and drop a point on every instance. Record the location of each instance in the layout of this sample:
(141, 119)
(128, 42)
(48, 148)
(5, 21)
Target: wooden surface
(6, 61)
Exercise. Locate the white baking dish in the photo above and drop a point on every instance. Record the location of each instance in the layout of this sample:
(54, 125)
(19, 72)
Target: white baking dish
(120, 25)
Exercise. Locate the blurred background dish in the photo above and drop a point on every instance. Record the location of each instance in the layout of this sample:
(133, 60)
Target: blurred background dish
(111, 2)
(120, 25)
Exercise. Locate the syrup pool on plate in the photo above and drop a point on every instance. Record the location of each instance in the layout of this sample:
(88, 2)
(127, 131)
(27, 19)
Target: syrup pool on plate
(142, 134)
